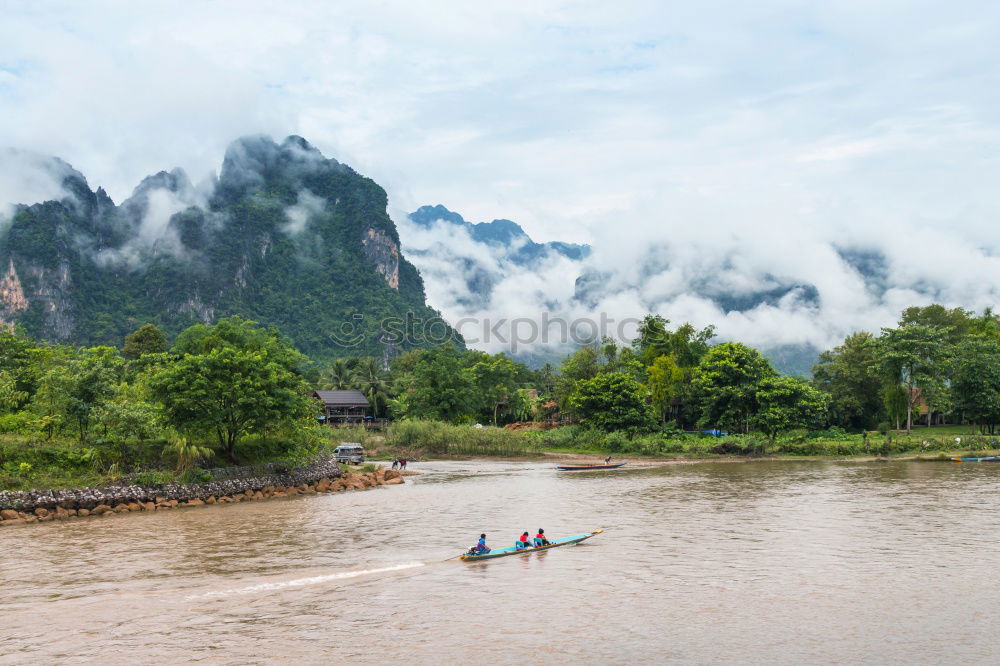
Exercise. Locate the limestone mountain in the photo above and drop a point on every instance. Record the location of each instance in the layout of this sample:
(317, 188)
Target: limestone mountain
(283, 236)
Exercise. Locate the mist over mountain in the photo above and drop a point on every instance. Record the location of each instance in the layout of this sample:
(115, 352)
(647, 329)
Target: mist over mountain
(503, 234)
(790, 290)
(502, 284)
(283, 236)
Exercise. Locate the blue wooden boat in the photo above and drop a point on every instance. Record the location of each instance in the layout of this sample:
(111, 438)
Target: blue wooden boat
(981, 459)
(579, 468)
(504, 552)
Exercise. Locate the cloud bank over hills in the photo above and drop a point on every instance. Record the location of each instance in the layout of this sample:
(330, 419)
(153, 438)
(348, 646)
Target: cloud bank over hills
(788, 171)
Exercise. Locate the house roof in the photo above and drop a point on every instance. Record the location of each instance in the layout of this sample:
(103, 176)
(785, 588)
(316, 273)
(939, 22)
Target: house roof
(342, 398)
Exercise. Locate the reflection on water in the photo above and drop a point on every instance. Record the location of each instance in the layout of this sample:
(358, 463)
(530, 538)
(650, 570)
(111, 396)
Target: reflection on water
(815, 562)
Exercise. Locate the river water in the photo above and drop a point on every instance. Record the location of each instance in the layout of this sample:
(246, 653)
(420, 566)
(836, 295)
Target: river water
(787, 563)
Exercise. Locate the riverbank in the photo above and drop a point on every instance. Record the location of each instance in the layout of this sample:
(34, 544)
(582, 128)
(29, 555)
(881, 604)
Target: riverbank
(428, 439)
(597, 458)
(26, 507)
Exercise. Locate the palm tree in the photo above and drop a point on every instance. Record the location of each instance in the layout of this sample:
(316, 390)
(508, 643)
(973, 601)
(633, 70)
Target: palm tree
(338, 376)
(186, 453)
(369, 380)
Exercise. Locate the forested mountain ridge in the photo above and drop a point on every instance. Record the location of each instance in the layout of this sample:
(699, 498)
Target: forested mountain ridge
(501, 233)
(284, 236)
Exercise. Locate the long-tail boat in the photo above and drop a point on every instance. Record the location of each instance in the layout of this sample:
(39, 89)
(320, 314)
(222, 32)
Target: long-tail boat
(579, 468)
(504, 552)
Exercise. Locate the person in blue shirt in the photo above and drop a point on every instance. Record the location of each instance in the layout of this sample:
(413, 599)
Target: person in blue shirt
(481, 548)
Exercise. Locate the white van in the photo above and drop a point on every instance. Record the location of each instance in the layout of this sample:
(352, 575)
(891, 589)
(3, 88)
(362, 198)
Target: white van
(350, 452)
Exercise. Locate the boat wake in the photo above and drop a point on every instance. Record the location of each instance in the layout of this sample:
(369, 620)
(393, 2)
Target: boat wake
(302, 582)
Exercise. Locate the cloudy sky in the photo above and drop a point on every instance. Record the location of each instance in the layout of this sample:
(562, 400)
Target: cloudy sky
(730, 142)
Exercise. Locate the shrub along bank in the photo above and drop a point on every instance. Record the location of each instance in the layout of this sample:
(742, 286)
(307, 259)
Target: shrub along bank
(432, 438)
(832, 442)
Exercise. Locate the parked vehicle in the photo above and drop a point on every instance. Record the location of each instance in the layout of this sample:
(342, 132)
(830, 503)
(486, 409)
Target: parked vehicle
(350, 452)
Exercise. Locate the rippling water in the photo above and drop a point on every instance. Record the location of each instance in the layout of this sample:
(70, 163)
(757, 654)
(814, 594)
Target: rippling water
(779, 562)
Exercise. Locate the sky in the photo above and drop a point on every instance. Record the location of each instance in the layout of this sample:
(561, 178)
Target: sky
(710, 145)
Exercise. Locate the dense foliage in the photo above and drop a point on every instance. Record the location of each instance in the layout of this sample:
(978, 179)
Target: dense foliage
(232, 392)
(237, 392)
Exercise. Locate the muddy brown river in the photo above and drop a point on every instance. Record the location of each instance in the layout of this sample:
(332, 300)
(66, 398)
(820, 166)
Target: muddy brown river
(778, 563)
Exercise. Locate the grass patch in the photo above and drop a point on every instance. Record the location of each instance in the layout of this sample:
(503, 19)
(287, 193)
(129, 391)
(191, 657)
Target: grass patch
(410, 438)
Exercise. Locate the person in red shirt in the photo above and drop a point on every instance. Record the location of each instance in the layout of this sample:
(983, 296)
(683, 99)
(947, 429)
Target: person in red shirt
(523, 543)
(540, 539)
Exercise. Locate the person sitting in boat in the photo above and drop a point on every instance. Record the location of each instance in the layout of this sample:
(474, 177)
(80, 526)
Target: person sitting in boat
(540, 539)
(480, 548)
(523, 543)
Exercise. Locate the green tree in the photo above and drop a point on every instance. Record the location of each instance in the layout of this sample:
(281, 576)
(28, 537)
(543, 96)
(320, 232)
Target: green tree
(580, 365)
(369, 380)
(233, 379)
(521, 406)
(495, 379)
(987, 325)
(20, 362)
(785, 403)
(666, 382)
(955, 323)
(10, 397)
(976, 382)
(686, 344)
(126, 415)
(896, 402)
(725, 384)
(440, 387)
(912, 357)
(147, 339)
(849, 374)
(338, 376)
(92, 378)
(611, 401)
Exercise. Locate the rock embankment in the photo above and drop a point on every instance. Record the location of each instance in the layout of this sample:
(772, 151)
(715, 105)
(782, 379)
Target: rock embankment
(40, 506)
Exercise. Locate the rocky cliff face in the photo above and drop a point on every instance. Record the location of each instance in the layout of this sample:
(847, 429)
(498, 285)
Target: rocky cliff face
(383, 252)
(285, 236)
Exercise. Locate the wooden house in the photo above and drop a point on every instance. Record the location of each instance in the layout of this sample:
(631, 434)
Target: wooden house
(341, 407)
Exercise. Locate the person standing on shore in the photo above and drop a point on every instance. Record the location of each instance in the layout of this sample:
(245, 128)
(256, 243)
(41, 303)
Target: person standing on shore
(402, 463)
(395, 463)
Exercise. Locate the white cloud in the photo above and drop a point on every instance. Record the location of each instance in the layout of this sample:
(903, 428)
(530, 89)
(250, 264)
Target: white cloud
(306, 206)
(698, 146)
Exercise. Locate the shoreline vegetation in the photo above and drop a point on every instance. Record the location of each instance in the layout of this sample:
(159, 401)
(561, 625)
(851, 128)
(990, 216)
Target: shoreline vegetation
(156, 413)
(431, 439)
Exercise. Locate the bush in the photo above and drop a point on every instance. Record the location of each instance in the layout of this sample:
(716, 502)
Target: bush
(197, 475)
(153, 478)
(19, 422)
(617, 442)
(465, 440)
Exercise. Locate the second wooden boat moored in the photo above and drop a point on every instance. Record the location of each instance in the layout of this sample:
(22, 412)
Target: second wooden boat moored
(983, 459)
(577, 468)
